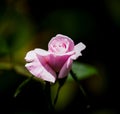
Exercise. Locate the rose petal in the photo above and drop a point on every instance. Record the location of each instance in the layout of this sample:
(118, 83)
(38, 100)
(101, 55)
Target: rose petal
(41, 52)
(57, 61)
(78, 48)
(30, 56)
(66, 68)
(39, 67)
(60, 44)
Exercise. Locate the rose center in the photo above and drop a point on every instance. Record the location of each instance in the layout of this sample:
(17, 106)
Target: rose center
(59, 47)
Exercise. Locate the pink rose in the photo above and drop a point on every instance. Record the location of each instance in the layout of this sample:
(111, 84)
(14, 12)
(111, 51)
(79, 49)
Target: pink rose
(57, 60)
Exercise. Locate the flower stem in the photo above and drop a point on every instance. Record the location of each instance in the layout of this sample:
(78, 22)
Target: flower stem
(77, 81)
(61, 83)
(81, 88)
(56, 97)
(48, 96)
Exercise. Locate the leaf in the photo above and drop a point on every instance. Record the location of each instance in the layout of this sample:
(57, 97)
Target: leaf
(83, 71)
(21, 86)
(20, 69)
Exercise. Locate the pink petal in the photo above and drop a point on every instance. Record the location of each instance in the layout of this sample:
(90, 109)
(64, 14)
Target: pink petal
(66, 68)
(38, 65)
(78, 48)
(57, 61)
(41, 52)
(59, 38)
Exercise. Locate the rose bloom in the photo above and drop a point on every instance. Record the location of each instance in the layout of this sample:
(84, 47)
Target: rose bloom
(57, 61)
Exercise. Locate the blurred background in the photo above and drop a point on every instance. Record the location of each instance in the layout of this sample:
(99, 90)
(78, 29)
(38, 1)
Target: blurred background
(28, 24)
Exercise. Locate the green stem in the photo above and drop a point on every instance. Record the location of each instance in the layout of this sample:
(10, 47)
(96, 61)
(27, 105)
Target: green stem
(48, 96)
(77, 81)
(61, 83)
(56, 97)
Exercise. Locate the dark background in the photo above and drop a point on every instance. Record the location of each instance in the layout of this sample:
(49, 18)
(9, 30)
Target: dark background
(95, 23)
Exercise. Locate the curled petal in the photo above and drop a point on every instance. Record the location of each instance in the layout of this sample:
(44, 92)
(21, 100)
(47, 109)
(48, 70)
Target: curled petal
(41, 52)
(38, 66)
(57, 61)
(60, 44)
(66, 68)
(30, 56)
(78, 48)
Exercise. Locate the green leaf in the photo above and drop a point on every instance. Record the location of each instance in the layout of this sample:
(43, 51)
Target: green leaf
(21, 86)
(83, 71)
(66, 94)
